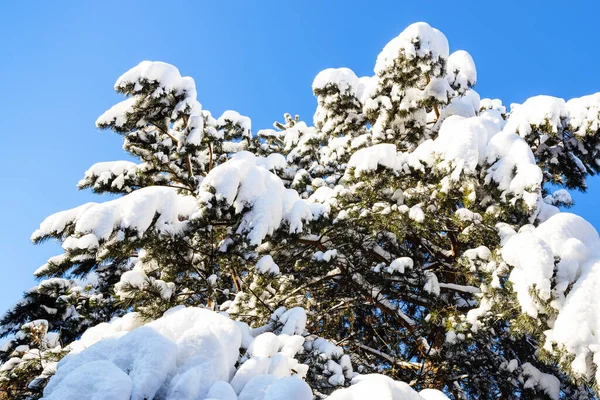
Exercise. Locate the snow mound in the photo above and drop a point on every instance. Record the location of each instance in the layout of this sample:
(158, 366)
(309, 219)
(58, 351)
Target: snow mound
(256, 192)
(546, 383)
(135, 211)
(112, 383)
(581, 115)
(235, 118)
(165, 74)
(464, 144)
(114, 172)
(146, 82)
(462, 73)
(537, 111)
(381, 387)
(189, 353)
(560, 260)
(585, 114)
(194, 353)
(266, 265)
(418, 40)
(343, 78)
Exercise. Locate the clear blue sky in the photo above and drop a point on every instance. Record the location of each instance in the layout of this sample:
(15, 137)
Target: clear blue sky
(59, 61)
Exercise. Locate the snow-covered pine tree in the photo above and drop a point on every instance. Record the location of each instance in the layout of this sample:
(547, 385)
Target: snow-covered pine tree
(413, 222)
(51, 314)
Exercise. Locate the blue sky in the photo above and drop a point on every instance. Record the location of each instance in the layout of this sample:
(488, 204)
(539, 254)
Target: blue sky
(59, 61)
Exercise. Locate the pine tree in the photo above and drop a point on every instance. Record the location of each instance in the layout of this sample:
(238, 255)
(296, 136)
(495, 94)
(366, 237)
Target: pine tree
(389, 221)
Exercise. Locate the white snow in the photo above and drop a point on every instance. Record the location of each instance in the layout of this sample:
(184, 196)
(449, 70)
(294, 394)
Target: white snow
(56, 223)
(134, 211)
(118, 113)
(532, 254)
(272, 161)
(580, 115)
(189, 353)
(585, 114)
(466, 106)
(343, 78)
(416, 214)
(559, 196)
(370, 158)
(94, 380)
(163, 79)
(266, 265)
(155, 71)
(438, 89)
(431, 42)
(240, 183)
(136, 279)
(431, 284)
(325, 256)
(236, 118)
(399, 265)
(546, 383)
(109, 171)
(462, 73)
(194, 353)
(381, 387)
(465, 144)
(537, 111)
(481, 252)
(513, 154)
(493, 104)
(294, 321)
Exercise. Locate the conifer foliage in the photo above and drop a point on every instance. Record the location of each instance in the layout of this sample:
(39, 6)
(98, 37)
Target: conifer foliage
(406, 244)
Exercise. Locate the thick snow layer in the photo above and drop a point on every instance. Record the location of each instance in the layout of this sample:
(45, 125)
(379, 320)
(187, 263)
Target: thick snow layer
(116, 328)
(113, 172)
(294, 321)
(189, 353)
(118, 113)
(513, 154)
(155, 71)
(143, 354)
(134, 211)
(493, 104)
(466, 105)
(137, 279)
(464, 141)
(464, 144)
(437, 89)
(272, 161)
(163, 79)
(585, 114)
(560, 196)
(236, 118)
(257, 193)
(462, 73)
(570, 285)
(266, 265)
(537, 111)
(370, 158)
(546, 383)
(580, 115)
(56, 223)
(417, 40)
(381, 387)
(399, 265)
(343, 78)
(94, 380)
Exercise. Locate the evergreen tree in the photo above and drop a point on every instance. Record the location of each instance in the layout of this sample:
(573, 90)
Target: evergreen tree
(395, 221)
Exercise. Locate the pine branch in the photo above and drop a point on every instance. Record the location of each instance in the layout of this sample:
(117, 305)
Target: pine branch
(392, 360)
